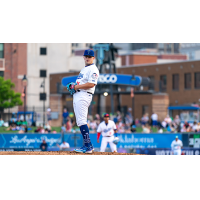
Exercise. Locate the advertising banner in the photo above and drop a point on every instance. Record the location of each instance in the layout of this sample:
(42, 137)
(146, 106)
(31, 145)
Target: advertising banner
(28, 140)
(76, 140)
(146, 140)
(167, 151)
(194, 140)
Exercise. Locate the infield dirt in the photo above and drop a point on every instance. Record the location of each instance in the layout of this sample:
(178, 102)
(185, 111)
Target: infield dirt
(58, 153)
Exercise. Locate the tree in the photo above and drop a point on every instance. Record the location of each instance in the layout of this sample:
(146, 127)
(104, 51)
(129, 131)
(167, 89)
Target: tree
(8, 97)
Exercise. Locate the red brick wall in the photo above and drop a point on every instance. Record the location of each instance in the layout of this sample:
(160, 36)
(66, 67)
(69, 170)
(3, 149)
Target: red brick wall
(15, 55)
(139, 59)
(144, 59)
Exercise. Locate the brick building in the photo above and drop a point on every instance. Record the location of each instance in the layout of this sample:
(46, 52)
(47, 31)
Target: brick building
(175, 83)
(13, 63)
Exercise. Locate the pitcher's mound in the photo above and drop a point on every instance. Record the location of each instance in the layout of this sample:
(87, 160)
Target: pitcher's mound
(58, 153)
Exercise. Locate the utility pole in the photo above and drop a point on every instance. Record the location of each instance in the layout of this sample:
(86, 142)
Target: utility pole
(44, 104)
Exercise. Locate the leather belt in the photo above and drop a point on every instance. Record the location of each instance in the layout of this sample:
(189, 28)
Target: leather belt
(87, 92)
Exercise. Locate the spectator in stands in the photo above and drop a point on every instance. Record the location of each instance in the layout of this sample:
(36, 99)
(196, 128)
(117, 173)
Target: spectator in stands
(21, 117)
(128, 122)
(49, 116)
(47, 126)
(1, 122)
(13, 118)
(39, 128)
(65, 116)
(137, 122)
(12, 126)
(63, 128)
(160, 130)
(133, 128)
(24, 123)
(195, 127)
(120, 126)
(130, 114)
(198, 127)
(145, 119)
(23, 129)
(69, 126)
(54, 131)
(145, 128)
(187, 126)
(46, 130)
(93, 126)
(19, 123)
(119, 115)
(97, 119)
(168, 120)
(177, 120)
(44, 146)
(154, 118)
(64, 146)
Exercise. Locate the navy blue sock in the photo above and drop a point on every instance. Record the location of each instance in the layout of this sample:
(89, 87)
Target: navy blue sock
(85, 133)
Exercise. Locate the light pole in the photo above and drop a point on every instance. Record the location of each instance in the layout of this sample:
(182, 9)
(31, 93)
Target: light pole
(24, 84)
(44, 98)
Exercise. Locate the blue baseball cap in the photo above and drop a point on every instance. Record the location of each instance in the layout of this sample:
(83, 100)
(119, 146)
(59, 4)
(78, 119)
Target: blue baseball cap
(106, 115)
(89, 52)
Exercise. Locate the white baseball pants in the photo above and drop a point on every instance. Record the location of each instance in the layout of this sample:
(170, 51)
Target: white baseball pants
(105, 141)
(177, 152)
(81, 102)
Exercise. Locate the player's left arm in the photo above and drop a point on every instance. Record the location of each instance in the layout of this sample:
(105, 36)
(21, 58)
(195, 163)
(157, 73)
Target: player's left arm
(115, 129)
(84, 86)
(93, 76)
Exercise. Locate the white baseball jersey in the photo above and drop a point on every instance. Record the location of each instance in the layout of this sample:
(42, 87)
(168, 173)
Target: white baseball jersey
(107, 130)
(89, 74)
(176, 145)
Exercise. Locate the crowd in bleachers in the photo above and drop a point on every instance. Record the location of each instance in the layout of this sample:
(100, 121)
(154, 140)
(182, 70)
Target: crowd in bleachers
(125, 124)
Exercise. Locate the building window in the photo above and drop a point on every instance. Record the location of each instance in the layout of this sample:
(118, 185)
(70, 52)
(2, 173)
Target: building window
(152, 83)
(1, 50)
(145, 109)
(43, 51)
(188, 81)
(2, 73)
(163, 83)
(175, 83)
(197, 80)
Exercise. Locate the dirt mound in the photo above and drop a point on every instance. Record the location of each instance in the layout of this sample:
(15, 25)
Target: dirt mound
(58, 153)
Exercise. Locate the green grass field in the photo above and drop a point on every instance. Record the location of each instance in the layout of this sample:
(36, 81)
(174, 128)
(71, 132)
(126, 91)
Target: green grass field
(58, 129)
(3, 130)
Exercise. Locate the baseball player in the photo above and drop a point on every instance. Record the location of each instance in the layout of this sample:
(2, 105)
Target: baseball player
(108, 129)
(176, 146)
(82, 91)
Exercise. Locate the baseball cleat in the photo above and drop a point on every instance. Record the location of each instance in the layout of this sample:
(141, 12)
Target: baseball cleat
(81, 150)
(85, 149)
(89, 149)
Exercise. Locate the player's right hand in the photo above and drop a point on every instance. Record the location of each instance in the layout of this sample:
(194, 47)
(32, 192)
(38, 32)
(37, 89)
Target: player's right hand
(97, 141)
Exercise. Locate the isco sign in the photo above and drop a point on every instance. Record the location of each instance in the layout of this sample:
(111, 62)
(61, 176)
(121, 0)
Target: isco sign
(107, 78)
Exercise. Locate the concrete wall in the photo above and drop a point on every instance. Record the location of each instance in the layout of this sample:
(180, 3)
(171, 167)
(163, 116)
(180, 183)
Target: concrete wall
(56, 60)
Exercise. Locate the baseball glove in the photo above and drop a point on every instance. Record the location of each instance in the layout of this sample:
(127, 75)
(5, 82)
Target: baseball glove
(70, 87)
(116, 140)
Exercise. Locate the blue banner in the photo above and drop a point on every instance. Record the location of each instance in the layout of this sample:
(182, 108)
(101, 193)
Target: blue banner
(28, 140)
(76, 140)
(167, 151)
(129, 140)
(110, 79)
(146, 140)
